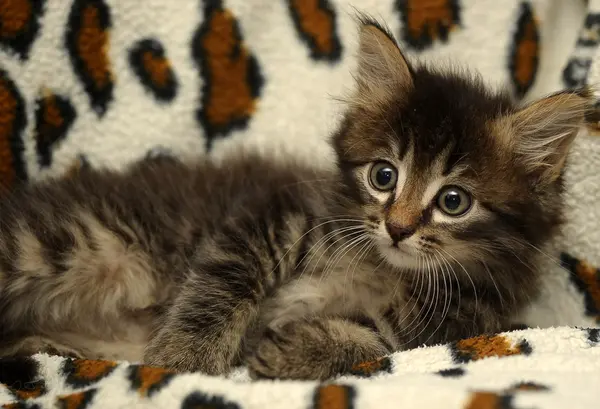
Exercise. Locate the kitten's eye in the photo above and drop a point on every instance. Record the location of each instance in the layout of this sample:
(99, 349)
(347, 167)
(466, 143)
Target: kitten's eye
(454, 201)
(383, 176)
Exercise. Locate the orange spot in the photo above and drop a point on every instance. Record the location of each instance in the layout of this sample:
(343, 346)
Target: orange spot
(429, 15)
(589, 275)
(484, 400)
(148, 376)
(529, 386)
(8, 112)
(75, 400)
(91, 370)
(30, 393)
(333, 397)
(72, 401)
(158, 69)
(92, 45)
(51, 116)
(526, 55)
(15, 16)
(370, 367)
(316, 23)
(230, 96)
(485, 346)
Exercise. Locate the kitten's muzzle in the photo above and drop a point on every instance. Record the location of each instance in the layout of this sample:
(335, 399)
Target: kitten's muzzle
(399, 233)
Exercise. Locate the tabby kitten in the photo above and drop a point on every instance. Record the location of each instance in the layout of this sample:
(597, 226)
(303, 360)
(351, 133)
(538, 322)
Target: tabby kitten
(427, 231)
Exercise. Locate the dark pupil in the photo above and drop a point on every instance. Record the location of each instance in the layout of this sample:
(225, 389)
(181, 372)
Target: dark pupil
(384, 176)
(452, 200)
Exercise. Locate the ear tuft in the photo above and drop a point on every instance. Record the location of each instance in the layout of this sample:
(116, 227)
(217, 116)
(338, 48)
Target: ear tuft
(382, 69)
(545, 130)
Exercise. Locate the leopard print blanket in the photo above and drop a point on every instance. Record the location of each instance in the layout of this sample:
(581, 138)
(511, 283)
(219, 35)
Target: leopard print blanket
(106, 82)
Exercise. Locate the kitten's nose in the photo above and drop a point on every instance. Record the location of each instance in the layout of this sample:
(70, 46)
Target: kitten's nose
(399, 233)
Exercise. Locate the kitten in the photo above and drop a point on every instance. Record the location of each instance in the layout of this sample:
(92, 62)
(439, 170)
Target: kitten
(427, 231)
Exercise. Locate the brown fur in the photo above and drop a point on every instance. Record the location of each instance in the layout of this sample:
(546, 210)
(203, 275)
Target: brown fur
(298, 272)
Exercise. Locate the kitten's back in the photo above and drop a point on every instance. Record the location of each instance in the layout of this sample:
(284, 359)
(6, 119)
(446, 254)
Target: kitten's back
(101, 252)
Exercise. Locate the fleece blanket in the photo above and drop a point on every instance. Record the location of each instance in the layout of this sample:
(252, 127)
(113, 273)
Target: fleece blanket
(106, 82)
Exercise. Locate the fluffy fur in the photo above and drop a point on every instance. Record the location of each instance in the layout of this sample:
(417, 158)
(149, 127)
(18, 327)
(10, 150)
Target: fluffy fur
(301, 273)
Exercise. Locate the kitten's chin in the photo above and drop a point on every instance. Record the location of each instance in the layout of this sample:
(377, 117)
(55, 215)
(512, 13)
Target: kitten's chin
(403, 257)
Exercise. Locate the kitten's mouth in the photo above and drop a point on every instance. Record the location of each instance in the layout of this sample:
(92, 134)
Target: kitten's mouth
(401, 248)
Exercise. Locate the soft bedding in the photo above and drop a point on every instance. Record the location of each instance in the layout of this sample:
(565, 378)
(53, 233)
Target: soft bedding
(105, 82)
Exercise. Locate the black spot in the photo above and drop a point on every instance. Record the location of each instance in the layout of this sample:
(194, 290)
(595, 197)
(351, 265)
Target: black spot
(452, 372)
(525, 347)
(87, 42)
(590, 33)
(197, 400)
(54, 115)
(571, 264)
(12, 110)
(576, 72)
(19, 25)
(593, 335)
(149, 62)
(506, 402)
(18, 372)
(21, 405)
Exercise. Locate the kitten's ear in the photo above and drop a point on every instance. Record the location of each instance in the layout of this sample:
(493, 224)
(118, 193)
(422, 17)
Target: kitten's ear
(381, 66)
(545, 129)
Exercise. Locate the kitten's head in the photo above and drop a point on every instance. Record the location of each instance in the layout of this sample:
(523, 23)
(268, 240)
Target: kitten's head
(439, 167)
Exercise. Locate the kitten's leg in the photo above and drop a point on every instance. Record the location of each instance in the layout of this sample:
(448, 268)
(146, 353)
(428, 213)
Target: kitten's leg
(319, 348)
(204, 328)
(231, 274)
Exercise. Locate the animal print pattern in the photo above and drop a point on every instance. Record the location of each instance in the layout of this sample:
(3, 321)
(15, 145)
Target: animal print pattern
(230, 74)
(99, 82)
(512, 370)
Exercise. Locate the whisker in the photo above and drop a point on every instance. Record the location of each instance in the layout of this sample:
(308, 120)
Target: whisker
(296, 242)
(364, 251)
(431, 309)
(468, 276)
(351, 234)
(421, 281)
(321, 242)
(451, 269)
(447, 300)
(333, 262)
(417, 318)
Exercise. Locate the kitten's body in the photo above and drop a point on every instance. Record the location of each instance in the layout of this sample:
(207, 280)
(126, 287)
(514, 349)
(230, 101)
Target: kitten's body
(304, 272)
(93, 263)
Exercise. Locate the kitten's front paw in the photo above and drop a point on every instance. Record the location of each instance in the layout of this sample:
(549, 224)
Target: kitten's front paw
(178, 353)
(299, 350)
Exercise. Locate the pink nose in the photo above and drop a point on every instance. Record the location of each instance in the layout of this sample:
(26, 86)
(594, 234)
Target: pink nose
(399, 233)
